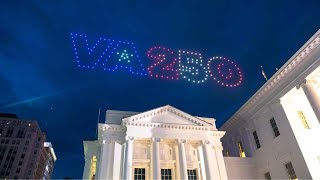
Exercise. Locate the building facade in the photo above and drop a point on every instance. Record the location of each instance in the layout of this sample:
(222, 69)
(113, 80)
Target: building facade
(49, 160)
(22, 150)
(274, 135)
(277, 131)
(164, 143)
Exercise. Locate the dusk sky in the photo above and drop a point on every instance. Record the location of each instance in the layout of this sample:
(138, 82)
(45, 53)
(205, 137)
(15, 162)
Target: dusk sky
(40, 79)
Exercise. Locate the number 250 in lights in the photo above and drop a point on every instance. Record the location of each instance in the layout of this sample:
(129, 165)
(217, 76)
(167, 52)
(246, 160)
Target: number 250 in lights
(111, 55)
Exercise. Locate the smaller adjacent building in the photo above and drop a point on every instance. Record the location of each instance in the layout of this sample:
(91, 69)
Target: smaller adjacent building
(24, 154)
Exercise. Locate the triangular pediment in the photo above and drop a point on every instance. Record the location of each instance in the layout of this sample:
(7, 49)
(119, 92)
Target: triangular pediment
(168, 115)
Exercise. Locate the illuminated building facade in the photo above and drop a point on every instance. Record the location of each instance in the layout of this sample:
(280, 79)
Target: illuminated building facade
(274, 135)
(49, 160)
(163, 143)
(276, 132)
(22, 151)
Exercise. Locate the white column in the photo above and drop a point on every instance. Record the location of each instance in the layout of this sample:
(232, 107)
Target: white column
(178, 176)
(220, 161)
(210, 161)
(155, 159)
(182, 159)
(312, 96)
(127, 170)
(122, 161)
(202, 165)
(87, 165)
(106, 160)
(117, 160)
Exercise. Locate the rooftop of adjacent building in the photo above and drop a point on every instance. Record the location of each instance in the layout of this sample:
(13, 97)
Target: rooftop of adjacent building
(8, 115)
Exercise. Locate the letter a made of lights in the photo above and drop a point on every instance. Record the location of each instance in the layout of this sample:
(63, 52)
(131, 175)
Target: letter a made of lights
(112, 55)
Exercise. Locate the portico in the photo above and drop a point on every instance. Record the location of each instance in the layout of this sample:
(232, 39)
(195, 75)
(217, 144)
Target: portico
(158, 144)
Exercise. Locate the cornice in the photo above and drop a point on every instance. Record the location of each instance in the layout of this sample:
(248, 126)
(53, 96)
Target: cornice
(278, 82)
(110, 127)
(168, 109)
(169, 126)
(219, 134)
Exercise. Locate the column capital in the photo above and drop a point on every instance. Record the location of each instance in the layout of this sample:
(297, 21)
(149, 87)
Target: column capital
(129, 138)
(306, 82)
(181, 141)
(205, 142)
(218, 147)
(107, 141)
(155, 139)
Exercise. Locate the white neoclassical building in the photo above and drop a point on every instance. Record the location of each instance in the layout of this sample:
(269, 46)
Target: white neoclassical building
(274, 135)
(277, 131)
(163, 143)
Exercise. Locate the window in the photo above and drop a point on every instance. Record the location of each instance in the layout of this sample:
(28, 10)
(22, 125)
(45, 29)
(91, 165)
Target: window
(22, 156)
(256, 139)
(290, 171)
(20, 163)
(267, 176)
(192, 174)
(18, 170)
(139, 174)
(274, 126)
(303, 120)
(166, 174)
(21, 133)
(27, 143)
(9, 132)
(241, 150)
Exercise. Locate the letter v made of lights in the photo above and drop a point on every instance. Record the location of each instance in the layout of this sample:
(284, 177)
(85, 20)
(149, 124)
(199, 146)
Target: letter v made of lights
(111, 55)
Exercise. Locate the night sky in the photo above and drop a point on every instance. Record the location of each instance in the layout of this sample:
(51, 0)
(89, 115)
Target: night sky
(39, 78)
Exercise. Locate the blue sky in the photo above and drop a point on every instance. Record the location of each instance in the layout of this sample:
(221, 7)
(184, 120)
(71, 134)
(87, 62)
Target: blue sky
(40, 80)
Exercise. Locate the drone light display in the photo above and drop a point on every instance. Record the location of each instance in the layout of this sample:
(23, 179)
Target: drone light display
(112, 55)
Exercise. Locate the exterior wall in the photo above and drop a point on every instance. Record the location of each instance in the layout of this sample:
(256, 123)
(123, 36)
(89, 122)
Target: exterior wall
(240, 168)
(306, 137)
(50, 158)
(274, 151)
(21, 149)
(295, 87)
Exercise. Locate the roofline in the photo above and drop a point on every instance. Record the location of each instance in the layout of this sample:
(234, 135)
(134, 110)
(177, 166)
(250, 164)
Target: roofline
(295, 60)
(173, 108)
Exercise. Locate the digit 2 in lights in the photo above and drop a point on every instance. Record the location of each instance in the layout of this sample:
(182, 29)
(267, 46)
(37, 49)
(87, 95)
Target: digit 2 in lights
(111, 55)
